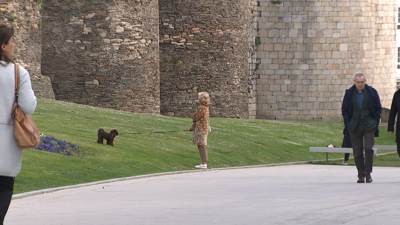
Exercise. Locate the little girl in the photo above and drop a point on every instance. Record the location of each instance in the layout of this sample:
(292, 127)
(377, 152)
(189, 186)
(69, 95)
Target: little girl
(201, 128)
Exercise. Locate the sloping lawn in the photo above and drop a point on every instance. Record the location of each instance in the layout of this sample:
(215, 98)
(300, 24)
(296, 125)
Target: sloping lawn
(152, 144)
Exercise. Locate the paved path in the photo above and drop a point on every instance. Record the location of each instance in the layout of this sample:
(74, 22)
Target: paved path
(295, 194)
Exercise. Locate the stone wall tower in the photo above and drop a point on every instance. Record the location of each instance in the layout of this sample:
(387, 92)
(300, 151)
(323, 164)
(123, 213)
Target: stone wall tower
(103, 53)
(204, 46)
(310, 51)
(25, 17)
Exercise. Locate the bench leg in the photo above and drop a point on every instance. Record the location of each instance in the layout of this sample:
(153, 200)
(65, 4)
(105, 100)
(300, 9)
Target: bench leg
(326, 158)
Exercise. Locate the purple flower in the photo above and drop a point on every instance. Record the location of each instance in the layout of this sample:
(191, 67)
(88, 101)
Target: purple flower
(52, 144)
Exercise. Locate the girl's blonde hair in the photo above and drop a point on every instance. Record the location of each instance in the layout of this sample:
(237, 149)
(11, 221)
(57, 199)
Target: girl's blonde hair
(204, 98)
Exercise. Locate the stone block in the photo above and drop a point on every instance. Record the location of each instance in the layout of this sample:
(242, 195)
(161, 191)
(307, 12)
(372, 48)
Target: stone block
(271, 100)
(343, 47)
(293, 33)
(263, 33)
(262, 99)
(311, 33)
(275, 88)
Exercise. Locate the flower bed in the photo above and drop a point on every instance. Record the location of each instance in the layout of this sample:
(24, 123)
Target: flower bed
(52, 144)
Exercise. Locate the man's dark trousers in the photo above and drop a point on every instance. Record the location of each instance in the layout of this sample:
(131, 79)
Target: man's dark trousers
(358, 149)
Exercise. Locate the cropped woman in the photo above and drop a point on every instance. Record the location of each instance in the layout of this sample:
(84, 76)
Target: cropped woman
(201, 128)
(10, 153)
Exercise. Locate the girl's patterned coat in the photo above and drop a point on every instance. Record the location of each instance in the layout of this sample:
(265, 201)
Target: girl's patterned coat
(201, 125)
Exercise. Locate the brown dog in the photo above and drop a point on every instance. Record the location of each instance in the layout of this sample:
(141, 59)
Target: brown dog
(102, 134)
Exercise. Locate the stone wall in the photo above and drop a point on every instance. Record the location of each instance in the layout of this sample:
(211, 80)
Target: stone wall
(204, 46)
(103, 53)
(310, 51)
(266, 59)
(24, 16)
(253, 61)
(383, 75)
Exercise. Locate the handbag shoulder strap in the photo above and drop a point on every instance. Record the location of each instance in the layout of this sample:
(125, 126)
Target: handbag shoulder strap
(16, 91)
(16, 82)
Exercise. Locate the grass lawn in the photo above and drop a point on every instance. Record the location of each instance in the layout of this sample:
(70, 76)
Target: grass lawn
(232, 142)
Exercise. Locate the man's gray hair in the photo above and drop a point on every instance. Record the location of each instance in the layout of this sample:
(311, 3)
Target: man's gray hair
(359, 74)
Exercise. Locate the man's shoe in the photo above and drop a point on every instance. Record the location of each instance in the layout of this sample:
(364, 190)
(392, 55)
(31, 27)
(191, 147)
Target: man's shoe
(369, 179)
(360, 180)
(201, 166)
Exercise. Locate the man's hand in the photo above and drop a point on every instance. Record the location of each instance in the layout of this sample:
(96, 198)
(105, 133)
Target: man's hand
(390, 132)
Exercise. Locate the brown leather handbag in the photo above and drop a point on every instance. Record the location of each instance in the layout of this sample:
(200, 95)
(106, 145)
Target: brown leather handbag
(26, 132)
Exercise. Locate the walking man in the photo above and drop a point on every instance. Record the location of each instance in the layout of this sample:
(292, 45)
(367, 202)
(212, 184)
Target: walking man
(361, 110)
(394, 117)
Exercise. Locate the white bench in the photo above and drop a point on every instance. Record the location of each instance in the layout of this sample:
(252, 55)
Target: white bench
(386, 147)
(349, 150)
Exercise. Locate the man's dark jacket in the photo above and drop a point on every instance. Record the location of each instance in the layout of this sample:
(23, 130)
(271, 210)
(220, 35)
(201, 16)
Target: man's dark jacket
(374, 105)
(395, 109)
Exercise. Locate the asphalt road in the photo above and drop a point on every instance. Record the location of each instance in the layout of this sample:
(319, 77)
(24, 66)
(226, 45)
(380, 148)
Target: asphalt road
(289, 194)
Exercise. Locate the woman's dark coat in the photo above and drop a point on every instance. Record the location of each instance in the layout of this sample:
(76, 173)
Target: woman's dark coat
(395, 109)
